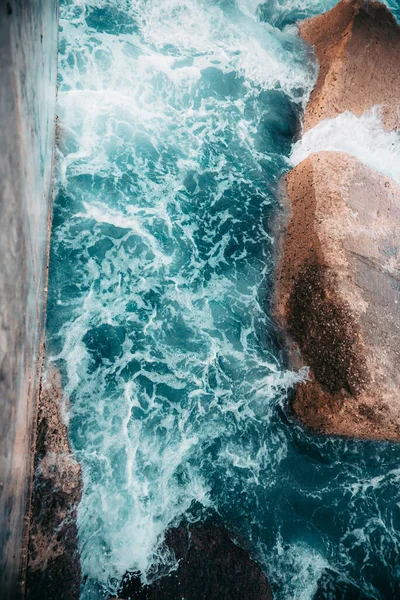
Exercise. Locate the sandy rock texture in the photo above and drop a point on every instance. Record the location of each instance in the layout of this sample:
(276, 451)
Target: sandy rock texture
(357, 45)
(53, 562)
(338, 295)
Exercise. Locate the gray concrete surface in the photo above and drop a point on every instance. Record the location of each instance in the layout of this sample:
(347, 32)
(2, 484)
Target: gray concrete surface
(28, 73)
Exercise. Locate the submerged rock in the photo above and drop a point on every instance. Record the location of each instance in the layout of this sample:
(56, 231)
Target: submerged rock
(338, 295)
(357, 45)
(332, 587)
(211, 567)
(53, 571)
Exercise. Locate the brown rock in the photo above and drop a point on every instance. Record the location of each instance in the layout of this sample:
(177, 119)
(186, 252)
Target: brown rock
(357, 45)
(211, 567)
(338, 295)
(53, 571)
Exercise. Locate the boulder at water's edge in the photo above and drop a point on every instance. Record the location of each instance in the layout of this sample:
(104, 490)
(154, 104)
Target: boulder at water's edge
(54, 571)
(357, 45)
(338, 295)
(211, 567)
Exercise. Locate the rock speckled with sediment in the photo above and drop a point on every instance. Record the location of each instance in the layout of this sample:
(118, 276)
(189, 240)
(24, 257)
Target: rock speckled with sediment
(357, 45)
(53, 561)
(338, 295)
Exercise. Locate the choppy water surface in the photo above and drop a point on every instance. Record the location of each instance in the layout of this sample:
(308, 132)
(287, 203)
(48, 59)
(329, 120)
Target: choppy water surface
(176, 122)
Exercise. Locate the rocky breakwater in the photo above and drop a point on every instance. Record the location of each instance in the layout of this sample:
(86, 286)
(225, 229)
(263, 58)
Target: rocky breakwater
(53, 561)
(338, 279)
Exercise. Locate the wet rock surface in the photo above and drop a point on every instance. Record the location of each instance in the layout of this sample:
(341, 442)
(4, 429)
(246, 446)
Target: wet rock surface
(53, 561)
(211, 567)
(338, 295)
(357, 45)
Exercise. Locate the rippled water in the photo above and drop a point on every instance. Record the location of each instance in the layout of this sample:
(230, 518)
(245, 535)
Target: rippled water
(176, 122)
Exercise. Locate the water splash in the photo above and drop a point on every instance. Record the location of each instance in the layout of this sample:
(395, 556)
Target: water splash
(363, 137)
(176, 119)
(157, 314)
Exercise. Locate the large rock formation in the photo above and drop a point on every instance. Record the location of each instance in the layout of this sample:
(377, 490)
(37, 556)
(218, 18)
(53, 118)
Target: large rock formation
(338, 295)
(211, 567)
(338, 280)
(357, 45)
(53, 561)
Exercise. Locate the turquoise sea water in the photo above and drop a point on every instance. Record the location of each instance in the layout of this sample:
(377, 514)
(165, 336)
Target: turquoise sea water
(176, 122)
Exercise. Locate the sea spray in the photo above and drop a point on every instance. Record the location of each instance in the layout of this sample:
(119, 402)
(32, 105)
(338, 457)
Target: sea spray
(363, 137)
(284, 13)
(177, 119)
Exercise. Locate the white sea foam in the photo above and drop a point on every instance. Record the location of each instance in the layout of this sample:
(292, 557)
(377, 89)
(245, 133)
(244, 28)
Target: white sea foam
(289, 12)
(125, 102)
(363, 137)
(162, 264)
(302, 566)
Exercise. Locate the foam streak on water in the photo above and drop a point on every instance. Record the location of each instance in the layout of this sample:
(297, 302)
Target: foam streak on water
(364, 137)
(176, 121)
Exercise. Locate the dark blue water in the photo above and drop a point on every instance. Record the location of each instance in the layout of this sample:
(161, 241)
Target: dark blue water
(177, 119)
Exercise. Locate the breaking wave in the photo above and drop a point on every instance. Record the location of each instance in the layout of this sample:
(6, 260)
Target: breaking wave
(364, 137)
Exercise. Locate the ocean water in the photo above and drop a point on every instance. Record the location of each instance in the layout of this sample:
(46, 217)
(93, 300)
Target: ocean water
(176, 122)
